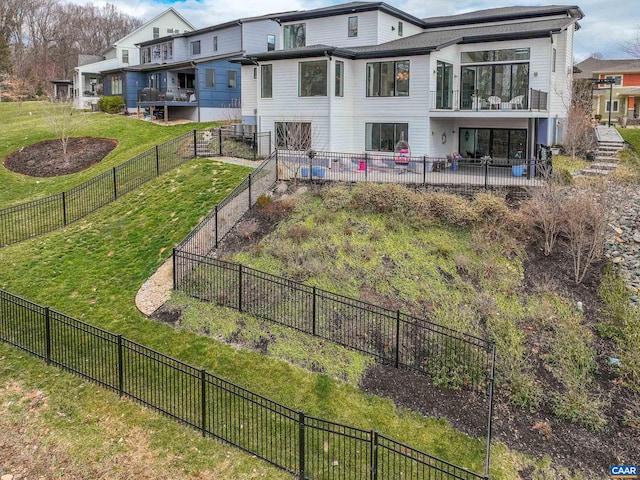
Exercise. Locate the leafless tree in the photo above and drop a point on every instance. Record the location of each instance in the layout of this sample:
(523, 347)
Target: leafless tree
(632, 47)
(64, 120)
(17, 89)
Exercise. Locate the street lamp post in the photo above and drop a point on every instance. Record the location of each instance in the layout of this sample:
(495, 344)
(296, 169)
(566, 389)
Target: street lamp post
(605, 81)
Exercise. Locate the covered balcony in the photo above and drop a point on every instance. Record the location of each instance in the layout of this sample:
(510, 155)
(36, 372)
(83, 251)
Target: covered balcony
(528, 99)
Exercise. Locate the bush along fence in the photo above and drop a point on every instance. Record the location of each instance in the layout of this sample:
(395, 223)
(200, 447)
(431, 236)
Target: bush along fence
(470, 174)
(306, 446)
(37, 217)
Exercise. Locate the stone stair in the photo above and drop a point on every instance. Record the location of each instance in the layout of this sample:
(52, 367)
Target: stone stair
(606, 156)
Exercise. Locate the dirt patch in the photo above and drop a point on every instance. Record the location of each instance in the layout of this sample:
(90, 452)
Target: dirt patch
(45, 159)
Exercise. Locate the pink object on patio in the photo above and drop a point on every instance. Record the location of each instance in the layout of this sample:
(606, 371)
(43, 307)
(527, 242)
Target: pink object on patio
(363, 165)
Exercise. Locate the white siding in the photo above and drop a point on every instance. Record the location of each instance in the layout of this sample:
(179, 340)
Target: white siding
(180, 48)
(249, 91)
(229, 40)
(254, 35)
(388, 28)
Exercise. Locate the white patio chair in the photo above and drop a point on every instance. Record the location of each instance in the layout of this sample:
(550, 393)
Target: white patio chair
(494, 101)
(516, 102)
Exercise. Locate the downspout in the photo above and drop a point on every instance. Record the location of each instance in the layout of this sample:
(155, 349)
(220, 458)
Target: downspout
(258, 84)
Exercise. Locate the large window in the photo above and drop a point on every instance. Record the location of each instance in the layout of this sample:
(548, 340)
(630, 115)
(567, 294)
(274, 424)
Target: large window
(271, 43)
(195, 47)
(294, 35)
(353, 27)
(505, 81)
(312, 79)
(209, 77)
(116, 85)
(616, 78)
(382, 137)
(444, 85)
(339, 80)
(388, 79)
(232, 78)
(156, 53)
(186, 80)
(498, 143)
(506, 55)
(267, 81)
(293, 135)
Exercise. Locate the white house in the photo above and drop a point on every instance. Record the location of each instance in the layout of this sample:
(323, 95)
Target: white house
(360, 76)
(124, 52)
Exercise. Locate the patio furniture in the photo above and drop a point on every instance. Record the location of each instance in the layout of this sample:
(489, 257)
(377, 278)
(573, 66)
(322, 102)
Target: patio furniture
(516, 102)
(494, 101)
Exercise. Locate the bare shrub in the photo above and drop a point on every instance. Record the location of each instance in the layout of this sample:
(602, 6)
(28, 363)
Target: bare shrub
(264, 201)
(544, 210)
(336, 197)
(298, 233)
(448, 208)
(389, 198)
(489, 208)
(276, 211)
(583, 228)
(248, 228)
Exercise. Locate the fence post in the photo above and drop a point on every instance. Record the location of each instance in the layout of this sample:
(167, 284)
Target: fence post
(239, 287)
(374, 455)
(255, 145)
(397, 338)
(486, 173)
(175, 273)
(195, 143)
(64, 208)
(301, 440)
(424, 170)
(216, 224)
(203, 395)
(490, 418)
(120, 368)
(277, 173)
(115, 184)
(313, 311)
(157, 162)
(47, 335)
(220, 141)
(366, 166)
(250, 191)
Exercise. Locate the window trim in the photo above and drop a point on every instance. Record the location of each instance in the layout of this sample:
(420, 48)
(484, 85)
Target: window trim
(379, 126)
(193, 45)
(338, 80)
(125, 53)
(616, 105)
(371, 65)
(271, 45)
(156, 32)
(232, 75)
(264, 69)
(314, 78)
(287, 38)
(211, 76)
(352, 27)
(400, 29)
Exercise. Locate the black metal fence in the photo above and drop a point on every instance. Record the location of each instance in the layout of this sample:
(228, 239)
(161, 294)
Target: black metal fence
(473, 174)
(309, 447)
(205, 237)
(37, 217)
(448, 357)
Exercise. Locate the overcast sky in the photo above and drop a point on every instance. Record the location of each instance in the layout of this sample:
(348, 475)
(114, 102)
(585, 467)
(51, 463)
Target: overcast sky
(606, 25)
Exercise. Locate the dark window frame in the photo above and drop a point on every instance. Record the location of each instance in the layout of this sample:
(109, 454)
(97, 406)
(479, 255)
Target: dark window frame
(352, 27)
(377, 131)
(195, 45)
(266, 89)
(318, 79)
(374, 87)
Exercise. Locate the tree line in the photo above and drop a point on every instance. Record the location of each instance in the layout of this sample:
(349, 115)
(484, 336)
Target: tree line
(40, 40)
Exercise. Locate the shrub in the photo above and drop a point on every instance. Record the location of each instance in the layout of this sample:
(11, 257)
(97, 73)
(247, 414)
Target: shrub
(336, 197)
(447, 208)
(489, 208)
(544, 210)
(111, 104)
(298, 233)
(263, 201)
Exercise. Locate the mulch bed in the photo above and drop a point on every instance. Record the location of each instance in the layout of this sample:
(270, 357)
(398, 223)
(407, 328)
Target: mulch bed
(45, 159)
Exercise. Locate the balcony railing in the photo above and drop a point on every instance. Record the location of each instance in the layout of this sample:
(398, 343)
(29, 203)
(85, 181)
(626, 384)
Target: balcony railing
(528, 99)
(180, 95)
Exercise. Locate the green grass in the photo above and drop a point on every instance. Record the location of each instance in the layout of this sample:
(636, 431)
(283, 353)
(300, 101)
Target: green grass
(21, 130)
(567, 163)
(93, 269)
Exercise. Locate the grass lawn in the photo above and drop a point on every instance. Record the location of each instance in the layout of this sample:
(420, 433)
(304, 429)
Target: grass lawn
(92, 270)
(18, 130)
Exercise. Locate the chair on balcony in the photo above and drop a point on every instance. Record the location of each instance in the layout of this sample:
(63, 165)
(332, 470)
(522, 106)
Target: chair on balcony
(494, 102)
(516, 102)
